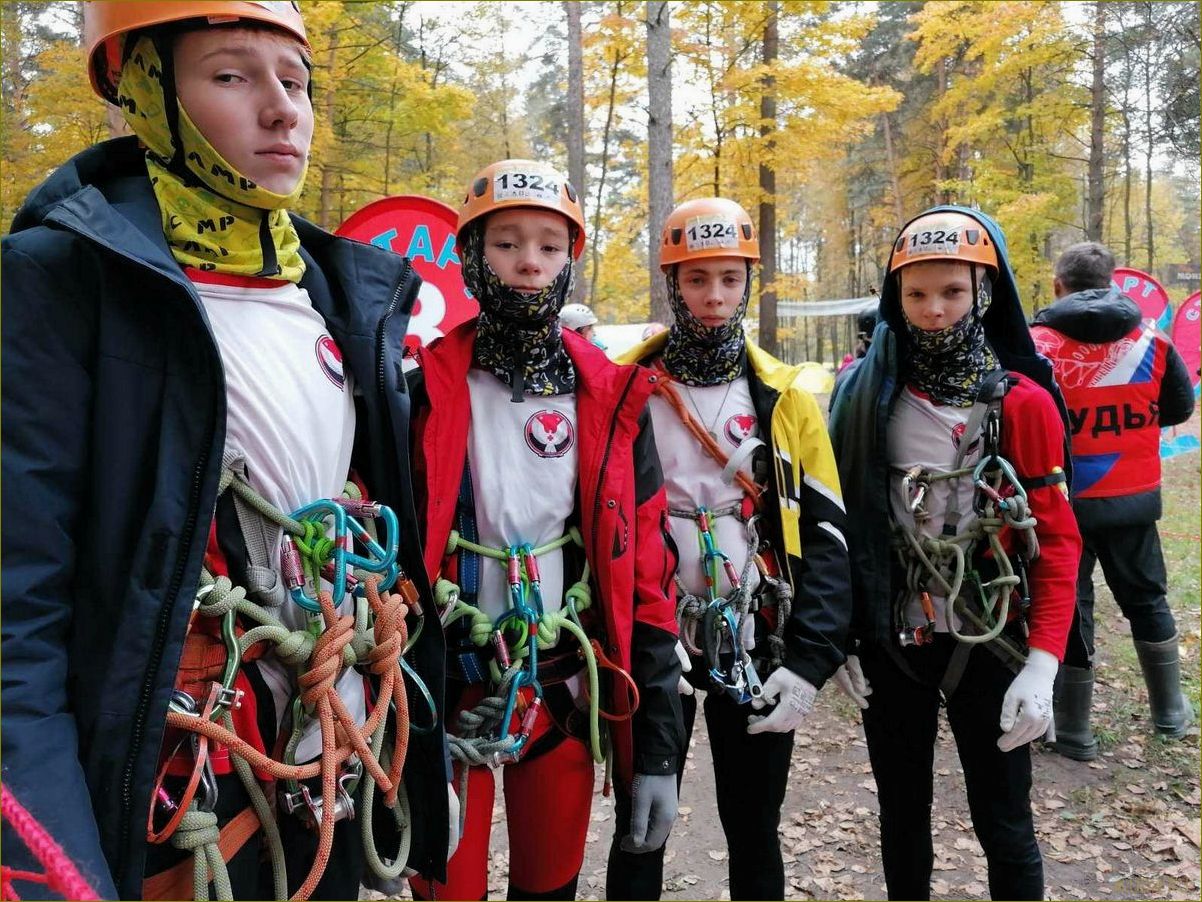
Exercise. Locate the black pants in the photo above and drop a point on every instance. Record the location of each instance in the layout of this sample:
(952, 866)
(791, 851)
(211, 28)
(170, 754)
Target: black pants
(900, 725)
(750, 776)
(1133, 565)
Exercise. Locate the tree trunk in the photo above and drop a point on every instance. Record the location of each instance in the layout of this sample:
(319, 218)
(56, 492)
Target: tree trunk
(899, 212)
(614, 70)
(767, 334)
(1126, 113)
(327, 170)
(575, 111)
(1148, 137)
(659, 147)
(1097, 130)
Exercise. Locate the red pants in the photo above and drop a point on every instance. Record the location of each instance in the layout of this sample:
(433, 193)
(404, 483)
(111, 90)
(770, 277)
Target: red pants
(547, 802)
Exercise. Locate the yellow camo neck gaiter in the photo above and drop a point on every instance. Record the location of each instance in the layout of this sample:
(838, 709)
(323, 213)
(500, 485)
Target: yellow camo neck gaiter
(213, 217)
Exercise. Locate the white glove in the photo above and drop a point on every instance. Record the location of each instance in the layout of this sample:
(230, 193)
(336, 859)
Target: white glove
(850, 678)
(793, 696)
(652, 810)
(1027, 707)
(452, 819)
(683, 686)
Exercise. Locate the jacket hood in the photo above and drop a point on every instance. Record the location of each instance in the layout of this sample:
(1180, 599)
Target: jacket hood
(1005, 324)
(106, 166)
(1095, 316)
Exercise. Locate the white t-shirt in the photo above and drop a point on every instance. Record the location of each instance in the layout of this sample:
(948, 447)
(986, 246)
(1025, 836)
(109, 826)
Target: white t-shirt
(524, 465)
(290, 417)
(693, 479)
(923, 433)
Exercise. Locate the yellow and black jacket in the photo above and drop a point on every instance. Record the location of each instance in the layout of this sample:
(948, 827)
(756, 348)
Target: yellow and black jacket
(804, 518)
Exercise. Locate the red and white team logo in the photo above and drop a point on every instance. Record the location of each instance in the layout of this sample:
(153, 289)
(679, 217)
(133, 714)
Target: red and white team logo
(549, 434)
(740, 427)
(329, 358)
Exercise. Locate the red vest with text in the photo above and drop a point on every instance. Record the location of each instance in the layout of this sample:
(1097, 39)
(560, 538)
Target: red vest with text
(1112, 391)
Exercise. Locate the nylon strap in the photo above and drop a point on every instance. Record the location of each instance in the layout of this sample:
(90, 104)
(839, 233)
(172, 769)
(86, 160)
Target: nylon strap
(990, 393)
(1039, 482)
(955, 669)
(952, 674)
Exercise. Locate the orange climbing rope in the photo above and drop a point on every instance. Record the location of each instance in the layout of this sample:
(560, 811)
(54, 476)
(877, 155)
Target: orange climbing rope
(340, 738)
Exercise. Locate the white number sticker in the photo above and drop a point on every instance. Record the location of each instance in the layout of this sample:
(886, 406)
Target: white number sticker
(935, 241)
(521, 184)
(702, 232)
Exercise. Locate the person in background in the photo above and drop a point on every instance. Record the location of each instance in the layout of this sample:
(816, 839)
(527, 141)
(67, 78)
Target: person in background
(581, 320)
(1122, 380)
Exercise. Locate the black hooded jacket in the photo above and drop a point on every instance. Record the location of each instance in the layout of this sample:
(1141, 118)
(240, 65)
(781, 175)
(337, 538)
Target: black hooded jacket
(859, 421)
(114, 424)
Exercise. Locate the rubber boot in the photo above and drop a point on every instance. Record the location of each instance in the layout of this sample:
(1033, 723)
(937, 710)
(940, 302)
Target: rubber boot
(1072, 698)
(1171, 712)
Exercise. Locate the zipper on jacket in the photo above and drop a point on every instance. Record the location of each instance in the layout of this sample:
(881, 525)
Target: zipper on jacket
(613, 428)
(381, 375)
(156, 654)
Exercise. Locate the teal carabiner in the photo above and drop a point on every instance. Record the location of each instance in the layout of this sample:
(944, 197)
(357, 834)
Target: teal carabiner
(316, 554)
(990, 464)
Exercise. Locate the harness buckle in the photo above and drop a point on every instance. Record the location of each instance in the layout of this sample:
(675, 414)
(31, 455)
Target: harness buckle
(310, 808)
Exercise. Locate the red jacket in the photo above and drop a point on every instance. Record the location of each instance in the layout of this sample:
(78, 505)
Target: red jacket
(624, 514)
(1033, 441)
(1112, 390)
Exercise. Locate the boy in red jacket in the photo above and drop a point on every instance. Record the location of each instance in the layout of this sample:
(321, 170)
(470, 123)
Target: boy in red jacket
(545, 519)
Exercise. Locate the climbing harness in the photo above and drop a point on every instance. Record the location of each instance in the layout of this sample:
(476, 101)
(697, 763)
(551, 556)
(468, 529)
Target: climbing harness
(318, 540)
(511, 645)
(720, 619)
(977, 610)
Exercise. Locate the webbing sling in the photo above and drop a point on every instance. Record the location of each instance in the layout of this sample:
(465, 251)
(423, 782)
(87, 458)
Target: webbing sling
(469, 576)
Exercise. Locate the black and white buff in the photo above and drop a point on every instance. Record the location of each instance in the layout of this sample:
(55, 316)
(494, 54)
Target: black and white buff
(517, 335)
(698, 355)
(948, 365)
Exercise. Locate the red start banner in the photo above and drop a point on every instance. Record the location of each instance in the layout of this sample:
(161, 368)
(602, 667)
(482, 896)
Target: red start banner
(1149, 294)
(1187, 335)
(423, 230)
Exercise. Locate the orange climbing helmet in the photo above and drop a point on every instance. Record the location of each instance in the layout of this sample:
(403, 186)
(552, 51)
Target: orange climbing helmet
(708, 227)
(107, 22)
(522, 183)
(945, 235)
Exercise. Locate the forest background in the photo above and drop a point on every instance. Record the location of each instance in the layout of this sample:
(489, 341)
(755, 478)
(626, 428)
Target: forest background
(831, 122)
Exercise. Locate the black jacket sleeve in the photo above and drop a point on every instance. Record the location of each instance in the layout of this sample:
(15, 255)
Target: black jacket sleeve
(47, 400)
(1176, 391)
(810, 497)
(658, 727)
